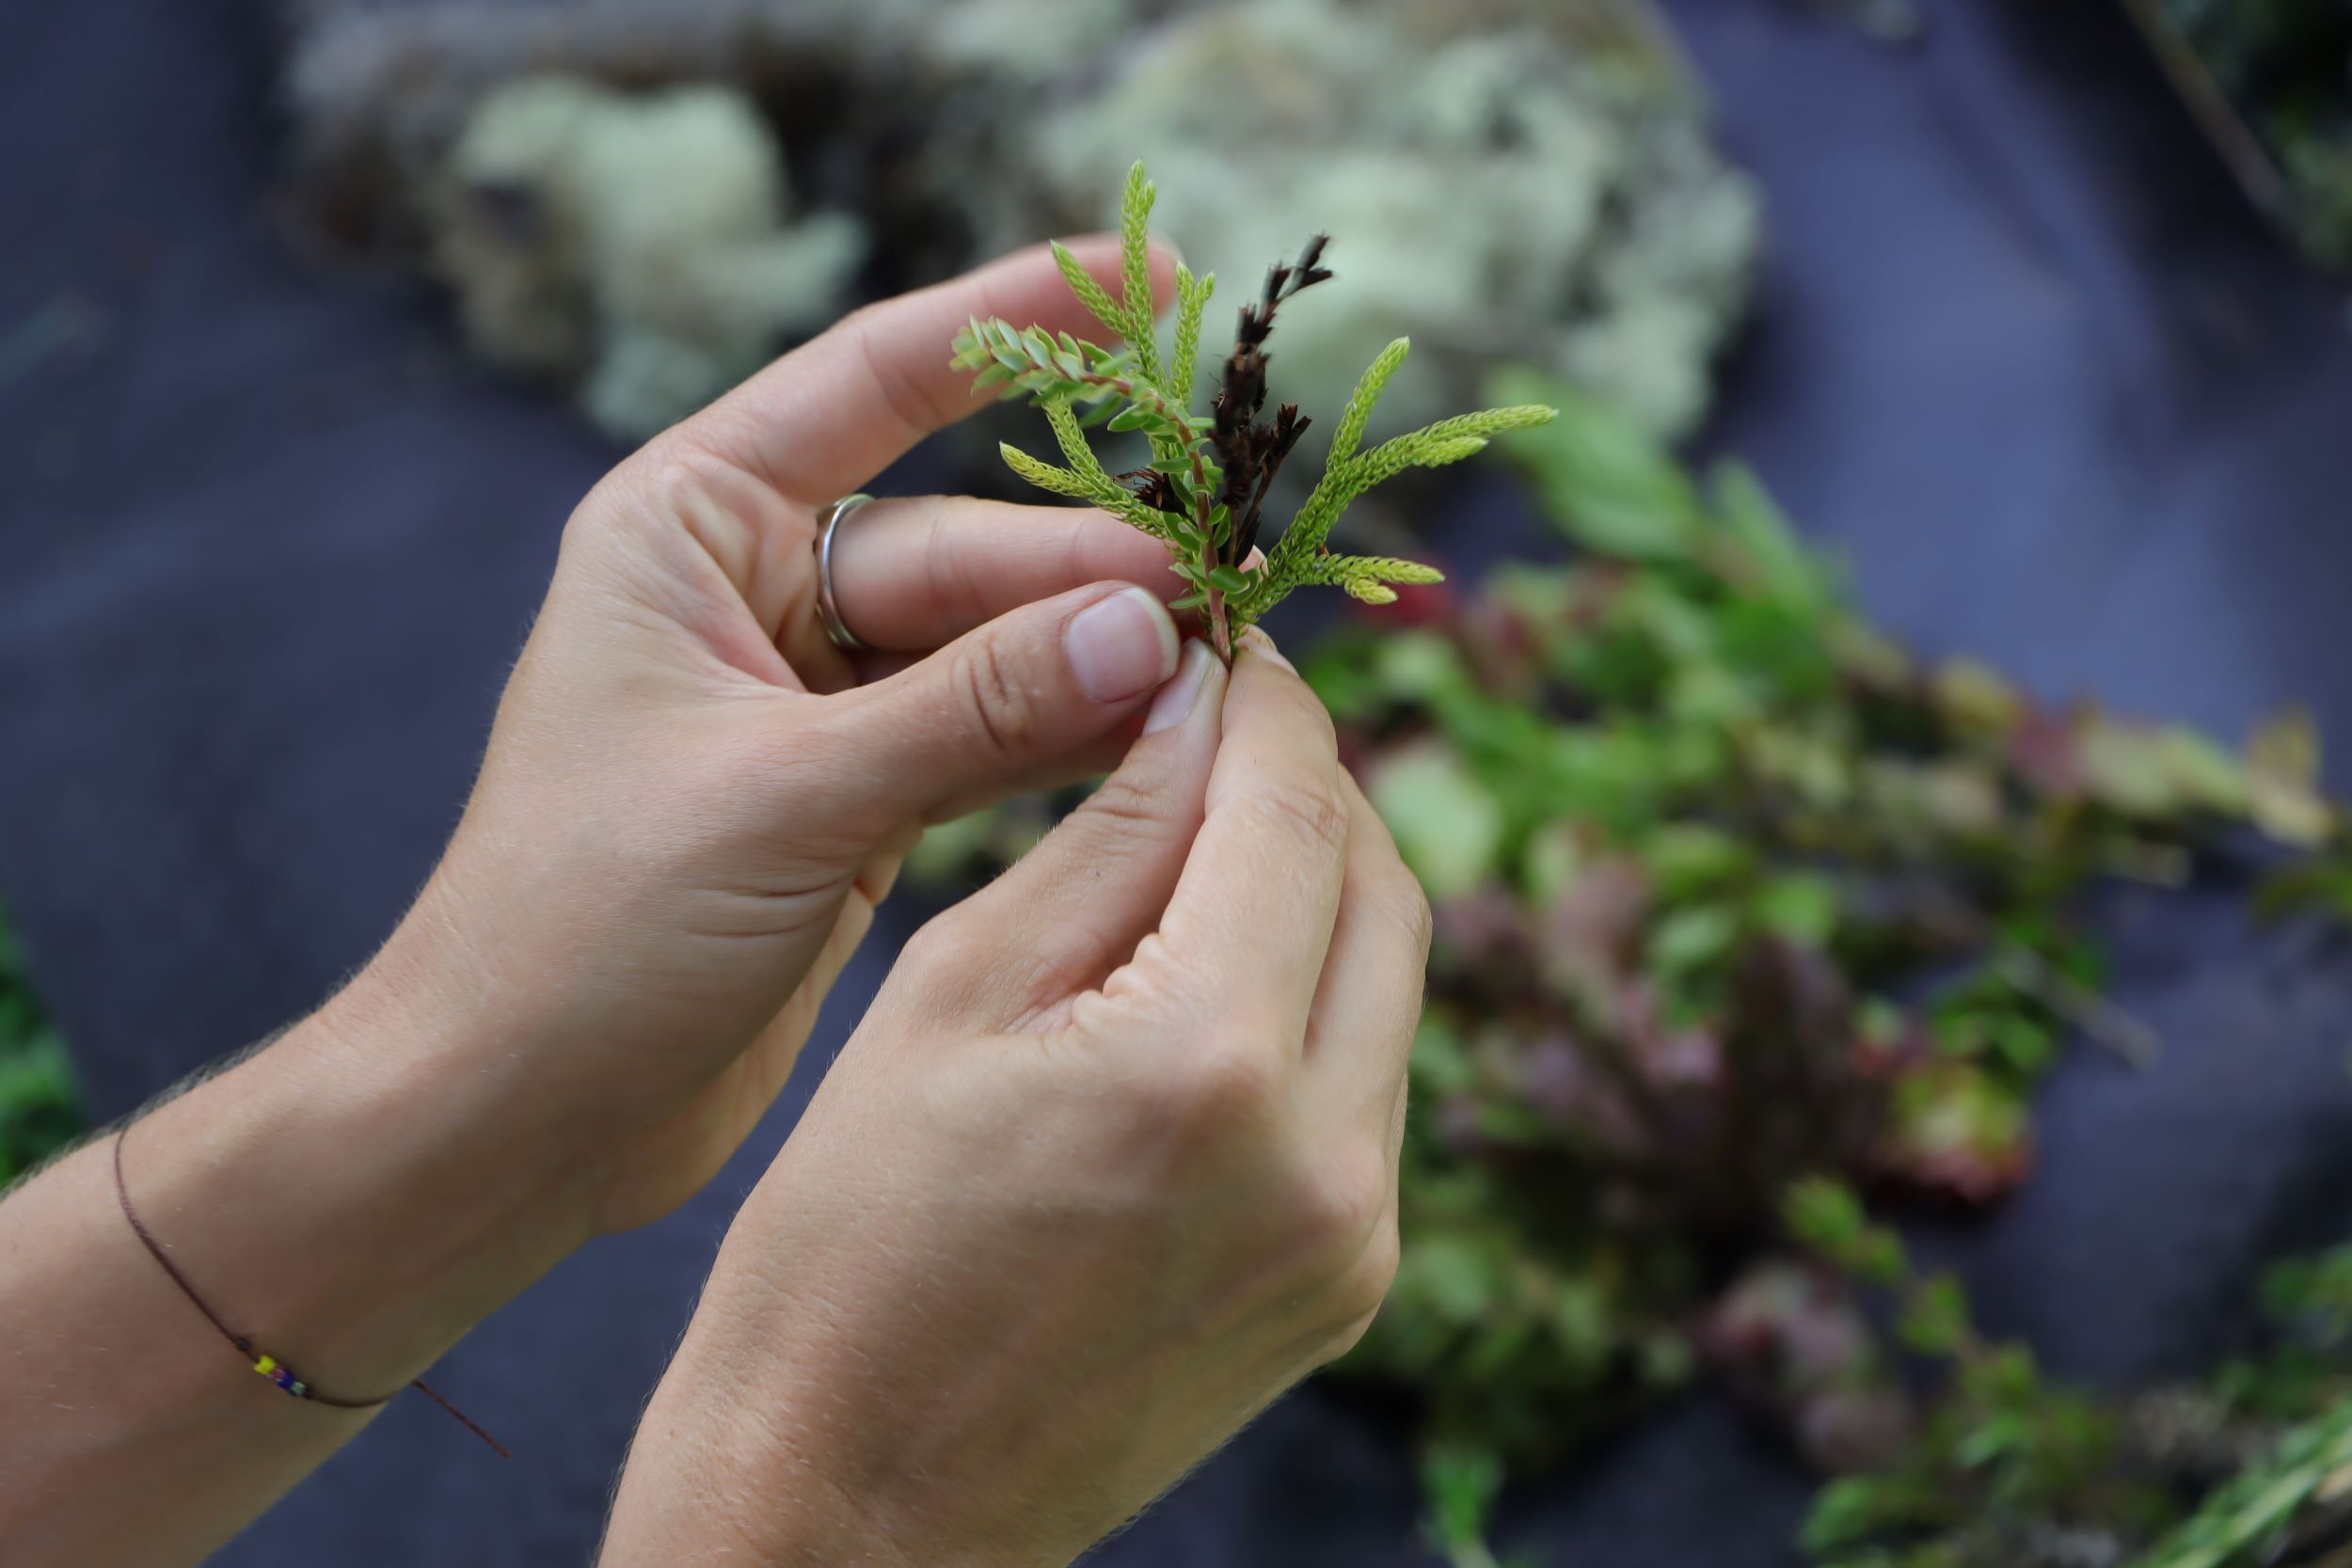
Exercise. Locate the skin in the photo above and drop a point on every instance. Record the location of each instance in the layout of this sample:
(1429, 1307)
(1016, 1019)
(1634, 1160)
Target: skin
(1109, 1165)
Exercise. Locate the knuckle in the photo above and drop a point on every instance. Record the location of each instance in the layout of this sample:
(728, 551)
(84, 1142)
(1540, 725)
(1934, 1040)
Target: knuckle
(1223, 1086)
(902, 395)
(1124, 800)
(1308, 721)
(1350, 1335)
(1358, 1291)
(1342, 1203)
(1309, 810)
(1000, 704)
(952, 577)
(1367, 1285)
(938, 951)
(1400, 901)
(1317, 718)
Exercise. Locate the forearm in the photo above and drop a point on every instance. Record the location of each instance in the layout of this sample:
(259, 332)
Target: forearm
(348, 1200)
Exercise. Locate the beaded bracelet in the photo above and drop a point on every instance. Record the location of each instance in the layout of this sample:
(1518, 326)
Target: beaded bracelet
(268, 1366)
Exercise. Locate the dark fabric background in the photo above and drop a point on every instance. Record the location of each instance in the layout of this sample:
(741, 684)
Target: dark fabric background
(266, 548)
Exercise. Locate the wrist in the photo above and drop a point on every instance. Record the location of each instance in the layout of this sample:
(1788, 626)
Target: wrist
(354, 1198)
(761, 1442)
(339, 1202)
(729, 1466)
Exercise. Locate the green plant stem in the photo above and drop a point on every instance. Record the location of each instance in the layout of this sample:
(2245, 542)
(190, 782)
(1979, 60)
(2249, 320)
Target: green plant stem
(1204, 512)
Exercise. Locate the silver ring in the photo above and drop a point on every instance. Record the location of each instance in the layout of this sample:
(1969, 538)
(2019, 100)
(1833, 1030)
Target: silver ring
(829, 522)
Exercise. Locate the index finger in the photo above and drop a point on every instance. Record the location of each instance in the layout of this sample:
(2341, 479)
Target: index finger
(1250, 921)
(832, 414)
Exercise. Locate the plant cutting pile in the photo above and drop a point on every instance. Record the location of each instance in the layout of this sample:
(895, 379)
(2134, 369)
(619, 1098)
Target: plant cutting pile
(1732, 895)
(1204, 490)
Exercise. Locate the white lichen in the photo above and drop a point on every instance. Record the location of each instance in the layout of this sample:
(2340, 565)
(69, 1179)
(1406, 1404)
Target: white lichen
(1495, 194)
(641, 245)
(1525, 180)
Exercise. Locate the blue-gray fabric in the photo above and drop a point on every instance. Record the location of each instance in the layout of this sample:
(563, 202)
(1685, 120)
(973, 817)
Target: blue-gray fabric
(267, 547)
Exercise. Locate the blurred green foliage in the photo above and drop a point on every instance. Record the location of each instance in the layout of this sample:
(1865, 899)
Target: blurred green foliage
(2001, 1467)
(38, 1112)
(1731, 890)
(2286, 66)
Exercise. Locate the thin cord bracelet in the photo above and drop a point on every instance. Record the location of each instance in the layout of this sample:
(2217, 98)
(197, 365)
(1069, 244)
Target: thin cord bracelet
(269, 1365)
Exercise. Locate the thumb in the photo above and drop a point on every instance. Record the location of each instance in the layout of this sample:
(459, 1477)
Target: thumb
(1074, 908)
(1002, 703)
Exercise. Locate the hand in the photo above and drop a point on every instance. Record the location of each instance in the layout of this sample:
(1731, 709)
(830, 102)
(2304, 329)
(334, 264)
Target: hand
(691, 800)
(690, 804)
(1110, 1163)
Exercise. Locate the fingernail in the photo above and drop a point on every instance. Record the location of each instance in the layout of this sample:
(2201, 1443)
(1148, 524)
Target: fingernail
(1257, 643)
(1178, 698)
(1121, 646)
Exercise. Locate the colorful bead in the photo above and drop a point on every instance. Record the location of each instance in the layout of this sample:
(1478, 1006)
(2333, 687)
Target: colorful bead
(269, 1366)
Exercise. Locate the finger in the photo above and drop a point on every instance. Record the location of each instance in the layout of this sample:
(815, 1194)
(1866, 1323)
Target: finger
(1251, 917)
(919, 572)
(1088, 760)
(873, 664)
(828, 417)
(1369, 1001)
(1073, 908)
(996, 706)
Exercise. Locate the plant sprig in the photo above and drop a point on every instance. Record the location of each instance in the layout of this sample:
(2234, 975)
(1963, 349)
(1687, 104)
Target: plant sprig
(1204, 490)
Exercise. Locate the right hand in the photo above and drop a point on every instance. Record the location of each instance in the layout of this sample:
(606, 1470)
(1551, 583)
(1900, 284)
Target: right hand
(1110, 1165)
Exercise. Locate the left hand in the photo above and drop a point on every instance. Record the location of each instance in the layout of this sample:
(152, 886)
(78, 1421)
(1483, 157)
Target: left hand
(690, 804)
(691, 800)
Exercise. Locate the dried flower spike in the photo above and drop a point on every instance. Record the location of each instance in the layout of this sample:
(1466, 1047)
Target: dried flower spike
(1204, 490)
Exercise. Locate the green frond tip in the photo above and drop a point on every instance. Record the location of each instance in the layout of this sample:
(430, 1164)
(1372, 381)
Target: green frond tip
(1371, 578)
(1061, 482)
(1359, 404)
(1192, 299)
(1135, 254)
(1096, 299)
(1074, 441)
(1389, 569)
(1350, 475)
(1491, 422)
(1391, 458)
